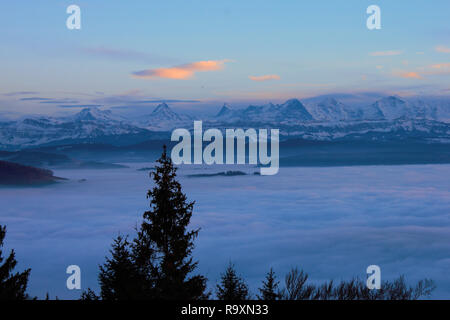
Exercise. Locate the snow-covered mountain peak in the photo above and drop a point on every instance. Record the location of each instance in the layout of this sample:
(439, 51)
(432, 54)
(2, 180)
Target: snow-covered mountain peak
(292, 103)
(392, 107)
(330, 109)
(164, 113)
(162, 107)
(95, 114)
(293, 109)
(224, 111)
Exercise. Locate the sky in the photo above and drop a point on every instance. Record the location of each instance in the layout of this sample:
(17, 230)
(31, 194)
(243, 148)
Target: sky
(197, 55)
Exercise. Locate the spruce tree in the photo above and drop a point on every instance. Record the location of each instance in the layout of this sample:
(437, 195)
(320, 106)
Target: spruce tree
(164, 238)
(88, 295)
(269, 290)
(118, 276)
(232, 287)
(12, 286)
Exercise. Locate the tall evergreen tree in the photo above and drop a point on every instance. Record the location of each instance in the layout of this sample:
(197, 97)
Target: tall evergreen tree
(12, 286)
(164, 238)
(232, 287)
(269, 290)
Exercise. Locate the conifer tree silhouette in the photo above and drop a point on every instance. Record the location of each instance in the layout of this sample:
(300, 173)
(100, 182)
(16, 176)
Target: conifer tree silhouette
(232, 287)
(164, 238)
(118, 276)
(12, 286)
(269, 290)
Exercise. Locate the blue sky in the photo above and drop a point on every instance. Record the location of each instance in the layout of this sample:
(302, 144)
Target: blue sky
(204, 53)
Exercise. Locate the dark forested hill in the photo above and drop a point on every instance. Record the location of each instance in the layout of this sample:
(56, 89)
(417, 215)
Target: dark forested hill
(16, 174)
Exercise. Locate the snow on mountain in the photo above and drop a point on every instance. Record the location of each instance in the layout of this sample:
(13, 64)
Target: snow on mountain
(392, 108)
(387, 108)
(331, 109)
(434, 108)
(370, 112)
(90, 123)
(381, 130)
(225, 111)
(294, 110)
(291, 110)
(164, 113)
(163, 118)
(321, 119)
(95, 114)
(440, 109)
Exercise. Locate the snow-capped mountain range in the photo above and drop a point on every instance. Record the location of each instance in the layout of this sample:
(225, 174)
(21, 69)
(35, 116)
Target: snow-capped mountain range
(331, 110)
(327, 119)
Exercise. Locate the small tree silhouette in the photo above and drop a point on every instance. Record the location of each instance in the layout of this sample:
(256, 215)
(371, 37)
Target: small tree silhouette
(232, 287)
(12, 286)
(118, 277)
(269, 290)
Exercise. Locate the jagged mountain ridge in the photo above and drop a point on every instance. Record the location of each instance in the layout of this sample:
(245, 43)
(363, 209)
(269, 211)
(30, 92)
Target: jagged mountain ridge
(325, 119)
(89, 123)
(292, 109)
(330, 109)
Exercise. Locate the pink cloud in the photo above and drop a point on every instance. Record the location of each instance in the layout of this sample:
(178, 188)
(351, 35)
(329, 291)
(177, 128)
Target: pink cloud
(445, 65)
(265, 77)
(443, 49)
(182, 72)
(408, 75)
(432, 70)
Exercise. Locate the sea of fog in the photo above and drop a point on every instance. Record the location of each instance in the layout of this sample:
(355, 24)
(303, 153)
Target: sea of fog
(333, 222)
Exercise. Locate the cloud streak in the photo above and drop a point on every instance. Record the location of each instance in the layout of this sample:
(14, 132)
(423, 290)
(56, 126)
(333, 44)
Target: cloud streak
(408, 75)
(267, 77)
(385, 53)
(432, 70)
(182, 72)
(442, 49)
(35, 99)
(80, 105)
(126, 55)
(445, 65)
(19, 93)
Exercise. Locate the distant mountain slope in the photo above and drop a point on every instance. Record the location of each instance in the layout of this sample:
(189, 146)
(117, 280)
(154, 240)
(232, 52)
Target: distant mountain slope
(331, 109)
(291, 110)
(95, 114)
(164, 113)
(90, 124)
(391, 108)
(225, 111)
(386, 108)
(16, 174)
